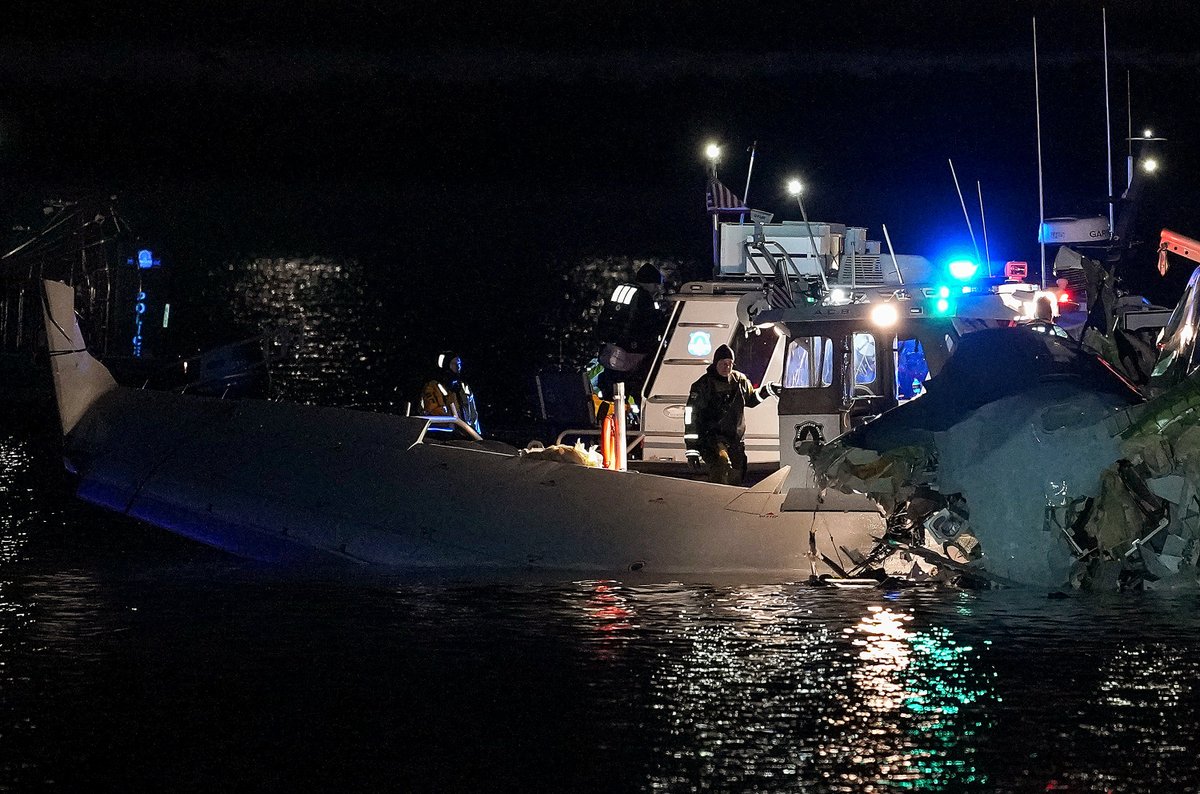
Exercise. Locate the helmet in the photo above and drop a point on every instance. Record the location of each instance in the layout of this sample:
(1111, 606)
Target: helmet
(450, 361)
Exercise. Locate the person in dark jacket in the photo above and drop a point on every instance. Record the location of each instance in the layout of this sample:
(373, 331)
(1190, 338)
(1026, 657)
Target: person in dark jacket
(715, 422)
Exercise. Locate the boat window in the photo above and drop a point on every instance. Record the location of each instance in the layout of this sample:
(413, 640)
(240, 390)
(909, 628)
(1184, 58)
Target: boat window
(911, 368)
(753, 353)
(865, 365)
(809, 363)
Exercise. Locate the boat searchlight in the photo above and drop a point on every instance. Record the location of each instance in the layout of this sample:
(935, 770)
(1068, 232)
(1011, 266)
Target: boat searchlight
(885, 315)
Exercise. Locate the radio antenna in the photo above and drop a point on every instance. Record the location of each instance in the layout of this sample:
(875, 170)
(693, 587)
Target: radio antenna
(983, 221)
(957, 189)
(1037, 102)
(1107, 121)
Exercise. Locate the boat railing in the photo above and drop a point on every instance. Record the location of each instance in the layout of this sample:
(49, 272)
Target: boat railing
(632, 442)
(452, 426)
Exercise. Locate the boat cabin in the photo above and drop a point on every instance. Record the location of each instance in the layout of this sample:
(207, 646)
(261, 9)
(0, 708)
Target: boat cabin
(849, 332)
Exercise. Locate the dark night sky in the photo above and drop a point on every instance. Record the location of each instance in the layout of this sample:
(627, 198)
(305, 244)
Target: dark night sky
(594, 115)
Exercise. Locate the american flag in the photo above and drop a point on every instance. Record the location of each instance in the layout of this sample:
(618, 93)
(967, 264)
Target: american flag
(779, 295)
(722, 199)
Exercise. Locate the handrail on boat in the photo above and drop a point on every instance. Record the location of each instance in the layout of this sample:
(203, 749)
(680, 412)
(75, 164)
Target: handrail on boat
(632, 442)
(453, 423)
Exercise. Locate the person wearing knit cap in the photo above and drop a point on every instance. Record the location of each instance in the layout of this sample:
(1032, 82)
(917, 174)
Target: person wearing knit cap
(446, 394)
(715, 421)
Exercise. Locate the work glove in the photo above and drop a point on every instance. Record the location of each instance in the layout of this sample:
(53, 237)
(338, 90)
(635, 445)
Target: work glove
(775, 388)
(694, 462)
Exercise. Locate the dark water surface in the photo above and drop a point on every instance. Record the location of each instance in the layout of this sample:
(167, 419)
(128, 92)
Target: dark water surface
(132, 660)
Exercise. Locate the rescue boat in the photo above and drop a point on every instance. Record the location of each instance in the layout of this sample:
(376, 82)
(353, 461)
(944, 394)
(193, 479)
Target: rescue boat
(848, 329)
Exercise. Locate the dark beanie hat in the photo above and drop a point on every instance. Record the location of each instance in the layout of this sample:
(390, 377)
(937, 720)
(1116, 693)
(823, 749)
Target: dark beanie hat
(723, 352)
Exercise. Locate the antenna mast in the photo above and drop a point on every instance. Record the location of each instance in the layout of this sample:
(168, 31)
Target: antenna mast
(1037, 101)
(1128, 132)
(1107, 121)
(746, 192)
(961, 201)
(983, 221)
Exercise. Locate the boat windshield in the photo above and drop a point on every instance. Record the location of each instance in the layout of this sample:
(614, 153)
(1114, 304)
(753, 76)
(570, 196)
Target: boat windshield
(809, 363)
(753, 353)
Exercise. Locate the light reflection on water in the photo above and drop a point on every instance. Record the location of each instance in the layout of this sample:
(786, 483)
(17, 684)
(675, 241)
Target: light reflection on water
(14, 497)
(665, 687)
(370, 333)
(326, 302)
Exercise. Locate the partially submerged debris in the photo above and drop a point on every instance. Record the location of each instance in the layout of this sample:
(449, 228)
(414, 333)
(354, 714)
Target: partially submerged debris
(1027, 461)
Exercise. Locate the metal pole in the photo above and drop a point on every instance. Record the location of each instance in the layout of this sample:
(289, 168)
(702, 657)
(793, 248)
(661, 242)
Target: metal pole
(987, 254)
(746, 192)
(1107, 121)
(1128, 132)
(813, 240)
(619, 411)
(1037, 102)
(892, 252)
(963, 202)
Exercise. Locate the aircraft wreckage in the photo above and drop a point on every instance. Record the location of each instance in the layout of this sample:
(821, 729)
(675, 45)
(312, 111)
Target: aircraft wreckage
(1033, 458)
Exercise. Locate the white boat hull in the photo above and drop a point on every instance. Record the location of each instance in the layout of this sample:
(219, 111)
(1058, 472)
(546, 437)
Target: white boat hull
(293, 483)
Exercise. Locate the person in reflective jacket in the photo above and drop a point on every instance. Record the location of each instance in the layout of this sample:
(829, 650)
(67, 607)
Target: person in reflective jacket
(715, 422)
(447, 395)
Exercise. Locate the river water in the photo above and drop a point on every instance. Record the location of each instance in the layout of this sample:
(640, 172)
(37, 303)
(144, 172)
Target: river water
(133, 660)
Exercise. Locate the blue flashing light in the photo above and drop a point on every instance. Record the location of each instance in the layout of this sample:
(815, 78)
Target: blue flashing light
(943, 292)
(699, 344)
(963, 269)
(943, 305)
(145, 259)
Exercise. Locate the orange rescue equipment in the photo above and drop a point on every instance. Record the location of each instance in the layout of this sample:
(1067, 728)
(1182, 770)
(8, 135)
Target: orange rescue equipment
(608, 440)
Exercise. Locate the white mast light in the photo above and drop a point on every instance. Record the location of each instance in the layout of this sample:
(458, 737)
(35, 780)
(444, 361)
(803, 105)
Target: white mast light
(794, 188)
(712, 151)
